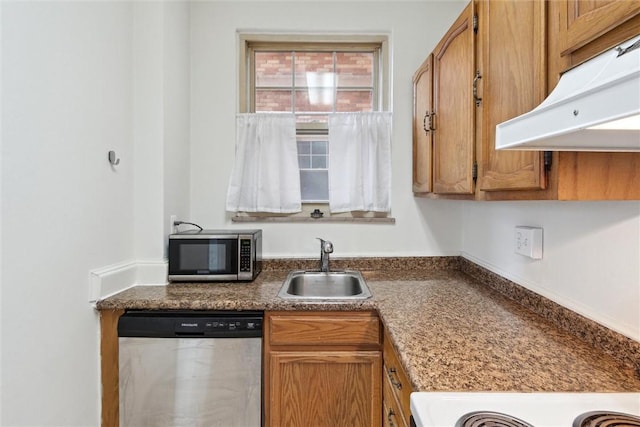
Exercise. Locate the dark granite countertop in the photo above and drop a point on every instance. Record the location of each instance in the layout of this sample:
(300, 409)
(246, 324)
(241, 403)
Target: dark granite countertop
(452, 331)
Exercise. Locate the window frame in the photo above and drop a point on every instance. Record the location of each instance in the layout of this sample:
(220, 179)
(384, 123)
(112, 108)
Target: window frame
(248, 43)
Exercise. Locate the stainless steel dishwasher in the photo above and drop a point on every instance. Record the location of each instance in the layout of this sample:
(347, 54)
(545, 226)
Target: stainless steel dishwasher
(186, 368)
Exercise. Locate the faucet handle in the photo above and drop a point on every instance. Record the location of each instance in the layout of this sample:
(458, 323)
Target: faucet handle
(325, 245)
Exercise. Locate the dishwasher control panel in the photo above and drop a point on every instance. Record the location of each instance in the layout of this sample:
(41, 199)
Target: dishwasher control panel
(190, 324)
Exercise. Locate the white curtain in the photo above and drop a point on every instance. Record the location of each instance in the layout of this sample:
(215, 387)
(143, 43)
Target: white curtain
(360, 162)
(265, 176)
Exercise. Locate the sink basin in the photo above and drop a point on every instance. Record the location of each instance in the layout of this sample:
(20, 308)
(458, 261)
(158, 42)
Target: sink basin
(315, 285)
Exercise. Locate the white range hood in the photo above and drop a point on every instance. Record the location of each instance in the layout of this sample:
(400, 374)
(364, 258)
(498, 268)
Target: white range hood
(594, 107)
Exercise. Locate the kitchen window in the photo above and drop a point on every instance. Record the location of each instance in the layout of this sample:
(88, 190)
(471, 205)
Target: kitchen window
(312, 77)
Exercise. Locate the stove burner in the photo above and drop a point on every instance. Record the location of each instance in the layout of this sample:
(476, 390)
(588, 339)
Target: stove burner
(606, 419)
(490, 419)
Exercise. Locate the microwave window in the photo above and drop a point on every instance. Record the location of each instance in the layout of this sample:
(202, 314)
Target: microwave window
(194, 257)
(217, 257)
(212, 256)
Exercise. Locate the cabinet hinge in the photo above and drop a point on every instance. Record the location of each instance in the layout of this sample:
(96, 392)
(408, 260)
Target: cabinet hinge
(475, 23)
(474, 171)
(547, 160)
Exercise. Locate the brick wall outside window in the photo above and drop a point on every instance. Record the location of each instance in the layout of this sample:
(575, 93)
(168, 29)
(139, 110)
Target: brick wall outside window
(315, 87)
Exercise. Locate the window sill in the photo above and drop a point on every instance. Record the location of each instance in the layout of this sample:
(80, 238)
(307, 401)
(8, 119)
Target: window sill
(363, 220)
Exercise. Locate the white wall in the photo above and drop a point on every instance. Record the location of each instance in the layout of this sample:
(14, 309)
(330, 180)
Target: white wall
(80, 79)
(423, 227)
(177, 113)
(66, 101)
(591, 259)
(161, 121)
(148, 127)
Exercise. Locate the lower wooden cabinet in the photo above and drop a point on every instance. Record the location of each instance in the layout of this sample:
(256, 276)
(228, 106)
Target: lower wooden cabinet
(325, 388)
(396, 388)
(322, 369)
(393, 415)
(109, 367)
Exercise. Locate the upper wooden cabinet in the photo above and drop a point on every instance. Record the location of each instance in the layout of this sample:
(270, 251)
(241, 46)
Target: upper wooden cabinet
(589, 22)
(422, 124)
(499, 60)
(489, 67)
(511, 63)
(453, 121)
(578, 31)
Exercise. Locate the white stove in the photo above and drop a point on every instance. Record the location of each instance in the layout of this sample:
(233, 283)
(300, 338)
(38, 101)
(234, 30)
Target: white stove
(533, 409)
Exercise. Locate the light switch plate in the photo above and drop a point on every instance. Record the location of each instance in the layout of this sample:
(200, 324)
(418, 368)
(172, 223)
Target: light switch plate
(528, 241)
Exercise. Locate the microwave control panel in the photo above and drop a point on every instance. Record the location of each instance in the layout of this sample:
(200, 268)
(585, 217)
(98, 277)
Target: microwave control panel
(245, 255)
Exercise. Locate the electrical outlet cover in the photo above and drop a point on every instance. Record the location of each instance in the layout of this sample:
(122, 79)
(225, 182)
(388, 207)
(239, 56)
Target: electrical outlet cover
(528, 241)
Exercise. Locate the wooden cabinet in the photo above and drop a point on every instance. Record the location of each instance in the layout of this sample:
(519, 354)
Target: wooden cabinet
(588, 27)
(453, 123)
(578, 31)
(511, 63)
(521, 49)
(396, 388)
(489, 67)
(109, 367)
(322, 368)
(422, 124)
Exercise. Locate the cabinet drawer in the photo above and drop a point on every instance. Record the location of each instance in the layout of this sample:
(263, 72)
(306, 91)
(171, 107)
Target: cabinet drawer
(324, 329)
(393, 416)
(395, 376)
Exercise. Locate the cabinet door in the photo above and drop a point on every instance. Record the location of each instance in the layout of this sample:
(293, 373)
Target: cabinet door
(325, 388)
(454, 128)
(582, 21)
(512, 62)
(422, 116)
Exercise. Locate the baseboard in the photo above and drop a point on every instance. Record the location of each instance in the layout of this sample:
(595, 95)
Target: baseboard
(114, 278)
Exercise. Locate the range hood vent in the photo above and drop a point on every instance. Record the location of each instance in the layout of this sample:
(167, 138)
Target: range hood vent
(594, 107)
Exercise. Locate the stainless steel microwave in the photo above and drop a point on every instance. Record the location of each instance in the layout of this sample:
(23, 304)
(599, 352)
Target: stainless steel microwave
(215, 255)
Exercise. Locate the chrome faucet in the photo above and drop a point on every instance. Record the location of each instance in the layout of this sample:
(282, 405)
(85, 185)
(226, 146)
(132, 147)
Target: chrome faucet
(326, 247)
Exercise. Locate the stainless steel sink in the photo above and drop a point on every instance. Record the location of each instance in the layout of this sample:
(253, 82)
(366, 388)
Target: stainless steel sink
(316, 285)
